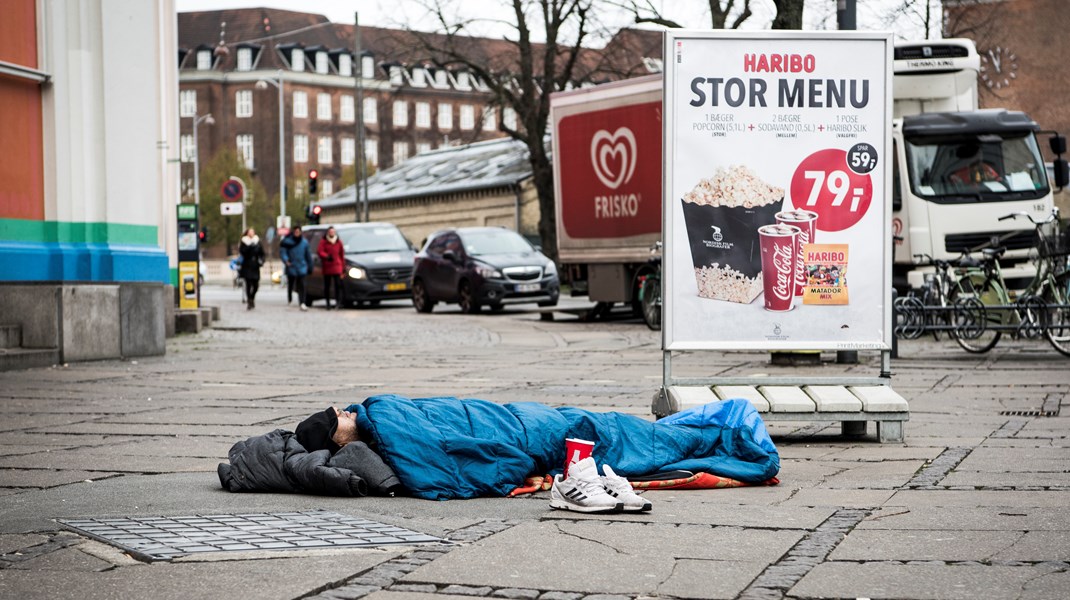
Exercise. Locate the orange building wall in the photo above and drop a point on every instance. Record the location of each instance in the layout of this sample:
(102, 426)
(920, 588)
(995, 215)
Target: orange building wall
(22, 170)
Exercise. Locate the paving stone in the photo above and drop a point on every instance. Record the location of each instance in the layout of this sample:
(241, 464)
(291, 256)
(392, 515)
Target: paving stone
(96, 460)
(943, 545)
(1010, 480)
(869, 475)
(710, 578)
(1038, 546)
(1030, 460)
(983, 518)
(560, 596)
(516, 593)
(426, 588)
(390, 595)
(1045, 587)
(1009, 499)
(923, 582)
(465, 590)
(840, 497)
(40, 478)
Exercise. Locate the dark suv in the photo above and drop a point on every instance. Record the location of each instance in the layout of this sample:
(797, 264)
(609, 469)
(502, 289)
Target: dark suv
(475, 266)
(378, 262)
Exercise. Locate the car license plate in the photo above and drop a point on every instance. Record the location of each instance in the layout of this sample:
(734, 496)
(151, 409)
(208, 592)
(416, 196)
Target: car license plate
(527, 287)
(394, 287)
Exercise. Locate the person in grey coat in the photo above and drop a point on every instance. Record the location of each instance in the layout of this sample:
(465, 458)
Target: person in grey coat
(297, 256)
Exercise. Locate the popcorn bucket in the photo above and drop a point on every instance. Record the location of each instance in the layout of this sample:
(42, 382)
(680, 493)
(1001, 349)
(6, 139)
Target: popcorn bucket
(725, 248)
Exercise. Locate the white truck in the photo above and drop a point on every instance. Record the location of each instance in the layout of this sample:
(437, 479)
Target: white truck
(956, 170)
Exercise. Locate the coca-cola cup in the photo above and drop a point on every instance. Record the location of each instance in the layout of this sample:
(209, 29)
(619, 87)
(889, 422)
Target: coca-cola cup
(575, 451)
(779, 247)
(806, 221)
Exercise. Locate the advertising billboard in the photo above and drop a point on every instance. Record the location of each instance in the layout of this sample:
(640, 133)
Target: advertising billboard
(776, 181)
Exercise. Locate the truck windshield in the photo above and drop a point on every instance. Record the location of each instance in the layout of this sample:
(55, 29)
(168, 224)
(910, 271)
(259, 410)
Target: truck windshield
(479, 243)
(373, 239)
(976, 168)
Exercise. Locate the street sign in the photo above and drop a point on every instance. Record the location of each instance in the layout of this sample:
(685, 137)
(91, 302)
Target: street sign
(232, 190)
(282, 222)
(231, 208)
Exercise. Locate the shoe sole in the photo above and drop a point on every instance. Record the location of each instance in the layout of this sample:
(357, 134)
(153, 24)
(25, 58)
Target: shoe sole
(643, 508)
(560, 505)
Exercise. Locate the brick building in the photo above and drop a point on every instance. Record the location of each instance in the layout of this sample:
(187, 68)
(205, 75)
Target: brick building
(232, 61)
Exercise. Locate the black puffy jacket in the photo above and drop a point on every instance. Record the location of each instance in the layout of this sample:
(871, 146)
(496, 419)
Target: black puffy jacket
(276, 462)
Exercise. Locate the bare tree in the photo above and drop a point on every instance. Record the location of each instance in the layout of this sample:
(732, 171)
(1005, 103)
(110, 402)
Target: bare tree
(521, 73)
(720, 11)
(789, 14)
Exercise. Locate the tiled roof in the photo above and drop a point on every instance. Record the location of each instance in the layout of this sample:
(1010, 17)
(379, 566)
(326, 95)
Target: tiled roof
(479, 166)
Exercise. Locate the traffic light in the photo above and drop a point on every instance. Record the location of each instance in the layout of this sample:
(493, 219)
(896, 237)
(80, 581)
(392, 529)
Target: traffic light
(203, 235)
(314, 211)
(313, 179)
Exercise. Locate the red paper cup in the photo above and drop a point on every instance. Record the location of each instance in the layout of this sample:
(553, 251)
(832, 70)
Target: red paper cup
(779, 246)
(806, 221)
(575, 451)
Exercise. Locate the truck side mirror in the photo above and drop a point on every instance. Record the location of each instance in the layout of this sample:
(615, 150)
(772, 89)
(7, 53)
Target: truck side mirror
(1060, 172)
(1058, 144)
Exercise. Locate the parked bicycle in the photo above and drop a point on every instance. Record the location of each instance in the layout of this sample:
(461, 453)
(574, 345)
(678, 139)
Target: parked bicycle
(1041, 309)
(650, 290)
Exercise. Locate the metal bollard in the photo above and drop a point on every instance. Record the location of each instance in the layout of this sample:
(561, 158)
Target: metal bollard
(895, 338)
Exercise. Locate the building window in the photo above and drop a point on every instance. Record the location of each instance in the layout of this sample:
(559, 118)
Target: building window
(349, 151)
(187, 103)
(323, 150)
(186, 149)
(401, 113)
(423, 114)
(204, 60)
(300, 148)
(490, 119)
(371, 152)
(323, 107)
(509, 118)
(395, 75)
(326, 188)
(346, 112)
(367, 67)
(297, 60)
(321, 63)
(401, 152)
(422, 147)
(243, 103)
(245, 59)
(245, 150)
(300, 105)
(345, 65)
(468, 116)
(371, 112)
(445, 116)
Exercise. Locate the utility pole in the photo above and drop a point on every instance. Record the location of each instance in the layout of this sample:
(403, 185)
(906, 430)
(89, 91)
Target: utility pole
(361, 169)
(845, 20)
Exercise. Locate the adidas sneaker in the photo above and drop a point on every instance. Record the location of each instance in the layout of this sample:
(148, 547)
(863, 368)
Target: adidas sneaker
(619, 488)
(582, 490)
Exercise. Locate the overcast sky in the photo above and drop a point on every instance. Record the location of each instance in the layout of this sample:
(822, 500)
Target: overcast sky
(819, 14)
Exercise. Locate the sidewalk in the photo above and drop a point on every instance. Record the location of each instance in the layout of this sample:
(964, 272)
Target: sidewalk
(972, 505)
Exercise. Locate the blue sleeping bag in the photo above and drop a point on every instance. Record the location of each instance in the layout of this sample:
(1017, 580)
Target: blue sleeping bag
(446, 448)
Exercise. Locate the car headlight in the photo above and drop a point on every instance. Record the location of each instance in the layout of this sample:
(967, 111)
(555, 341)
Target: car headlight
(488, 272)
(356, 273)
(549, 270)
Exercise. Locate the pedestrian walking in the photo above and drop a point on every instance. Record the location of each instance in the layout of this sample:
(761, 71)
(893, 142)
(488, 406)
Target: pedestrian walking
(297, 256)
(252, 258)
(332, 262)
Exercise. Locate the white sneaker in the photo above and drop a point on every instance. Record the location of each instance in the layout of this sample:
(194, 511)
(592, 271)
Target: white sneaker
(303, 307)
(582, 491)
(619, 488)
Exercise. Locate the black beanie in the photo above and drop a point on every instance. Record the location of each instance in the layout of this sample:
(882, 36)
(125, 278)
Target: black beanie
(315, 432)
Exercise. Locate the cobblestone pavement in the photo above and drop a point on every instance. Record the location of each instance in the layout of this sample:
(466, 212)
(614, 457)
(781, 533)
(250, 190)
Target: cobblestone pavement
(972, 505)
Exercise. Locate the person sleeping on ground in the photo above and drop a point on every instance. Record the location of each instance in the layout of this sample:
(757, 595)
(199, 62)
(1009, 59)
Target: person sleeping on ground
(448, 448)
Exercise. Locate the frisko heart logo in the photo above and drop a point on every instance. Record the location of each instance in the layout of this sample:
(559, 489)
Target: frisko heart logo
(613, 156)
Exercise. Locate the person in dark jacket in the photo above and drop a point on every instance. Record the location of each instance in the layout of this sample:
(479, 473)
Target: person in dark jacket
(252, 258)
(332, 262)
(297, 256)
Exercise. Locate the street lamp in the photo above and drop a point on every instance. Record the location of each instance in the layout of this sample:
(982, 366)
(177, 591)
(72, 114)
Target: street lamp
(196, 155)
(261, 85)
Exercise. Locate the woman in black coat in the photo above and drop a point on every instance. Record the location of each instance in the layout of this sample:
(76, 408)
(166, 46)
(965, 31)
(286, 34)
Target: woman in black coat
(252, 258)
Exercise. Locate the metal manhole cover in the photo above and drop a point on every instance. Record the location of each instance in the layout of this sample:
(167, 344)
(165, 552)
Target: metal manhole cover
(165, 538)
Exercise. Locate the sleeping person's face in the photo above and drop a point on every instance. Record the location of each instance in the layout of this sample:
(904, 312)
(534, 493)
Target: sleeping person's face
(347, 428)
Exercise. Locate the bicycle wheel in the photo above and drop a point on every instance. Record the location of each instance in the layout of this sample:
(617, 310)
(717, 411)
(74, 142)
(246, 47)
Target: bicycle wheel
(973, 322)
(650, 298)
(1057, 320)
